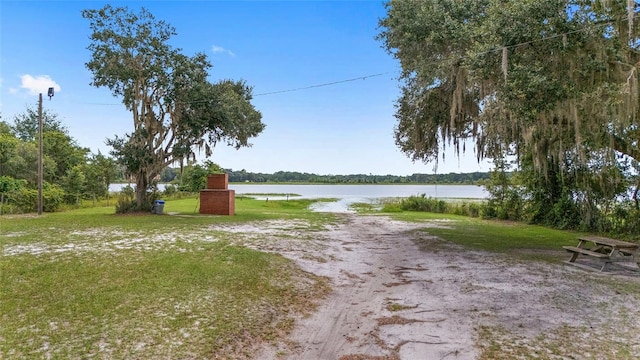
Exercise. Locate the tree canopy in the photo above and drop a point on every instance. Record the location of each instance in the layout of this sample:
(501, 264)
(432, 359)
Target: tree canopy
(70, 174)
(176, 110)
(552, 84)
(558, 78)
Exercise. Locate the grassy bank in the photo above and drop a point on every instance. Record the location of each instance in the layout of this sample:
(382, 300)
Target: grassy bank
(519, 240)
(88, 283)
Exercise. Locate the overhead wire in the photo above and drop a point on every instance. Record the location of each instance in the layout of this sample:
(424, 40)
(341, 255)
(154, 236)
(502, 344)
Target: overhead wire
(364, 77)
(322, 85)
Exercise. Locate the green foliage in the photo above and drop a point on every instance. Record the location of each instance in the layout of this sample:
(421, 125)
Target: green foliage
(505, 194)
(126, 201)
(25, 200)
(168, 174)
(63, 150)
(175, 109)
(25, 124)
(423, 203)
(294, 176)
(100, 172)
(5, 128)
(8, 152)
(74, 185)
(170, 190)
(552, 84)
(8, 188)
(471, 209)
(517, 239)
(194, 176)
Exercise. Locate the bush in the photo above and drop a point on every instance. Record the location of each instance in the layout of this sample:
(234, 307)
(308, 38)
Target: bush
(422, 203)
(170, 190)
(471, 209)
(26, 199)
(126, 202)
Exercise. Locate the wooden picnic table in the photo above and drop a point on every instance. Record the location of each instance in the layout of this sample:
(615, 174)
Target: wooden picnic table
(604, 249)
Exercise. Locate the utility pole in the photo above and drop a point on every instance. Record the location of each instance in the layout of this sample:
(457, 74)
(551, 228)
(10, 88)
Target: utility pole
(40, 169)
(40, 152)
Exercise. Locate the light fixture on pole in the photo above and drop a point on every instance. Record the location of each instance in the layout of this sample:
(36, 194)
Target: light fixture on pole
(40, 152)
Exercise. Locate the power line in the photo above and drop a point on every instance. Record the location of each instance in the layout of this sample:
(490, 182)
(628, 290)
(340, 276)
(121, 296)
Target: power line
(550, 37)
(322, 85)
(275, 92)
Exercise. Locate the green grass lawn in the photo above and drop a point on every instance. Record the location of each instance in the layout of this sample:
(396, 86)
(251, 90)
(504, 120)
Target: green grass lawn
(89, 283)
(517, 239)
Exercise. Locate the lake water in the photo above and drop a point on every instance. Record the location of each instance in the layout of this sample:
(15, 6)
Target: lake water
(348, 191)
(348, 194)
(363, 191)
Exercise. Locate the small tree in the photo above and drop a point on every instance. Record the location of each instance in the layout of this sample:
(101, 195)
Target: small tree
(74, 184)
(8, 152)
(8, 185)
(175, 109)
(103, 171)
(25, 124)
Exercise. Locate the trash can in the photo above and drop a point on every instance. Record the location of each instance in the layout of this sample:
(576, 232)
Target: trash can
(158, 207)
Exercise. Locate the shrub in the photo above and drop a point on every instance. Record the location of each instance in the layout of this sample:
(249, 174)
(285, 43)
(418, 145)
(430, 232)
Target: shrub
(471, 209)
(422, 203)
(26, 199)
(126, 202)
(170, 190)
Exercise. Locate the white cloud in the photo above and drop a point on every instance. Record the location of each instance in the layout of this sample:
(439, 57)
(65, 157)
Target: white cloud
(38, 84)
(219, 49)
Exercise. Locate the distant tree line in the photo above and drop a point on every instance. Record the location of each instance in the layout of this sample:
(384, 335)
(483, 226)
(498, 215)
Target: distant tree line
(293, 176)
(194, 173)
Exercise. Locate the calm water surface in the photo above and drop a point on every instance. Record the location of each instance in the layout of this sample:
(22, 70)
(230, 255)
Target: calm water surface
(349, 194)
(364, 191)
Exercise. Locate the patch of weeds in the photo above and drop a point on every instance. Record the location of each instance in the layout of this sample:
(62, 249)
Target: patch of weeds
(314, 258)
(369, 357)
(364, 207)
(393, 307)
(563, 342)
(395, 320)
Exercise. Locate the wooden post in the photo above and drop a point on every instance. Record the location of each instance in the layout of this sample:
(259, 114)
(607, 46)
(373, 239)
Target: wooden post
(40, 154)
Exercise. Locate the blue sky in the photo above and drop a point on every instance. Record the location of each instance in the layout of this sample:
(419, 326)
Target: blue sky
(345, 128)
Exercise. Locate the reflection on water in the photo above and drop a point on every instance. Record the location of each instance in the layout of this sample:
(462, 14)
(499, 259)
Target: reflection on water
(364, 191)
(341, 206)
(348, 194)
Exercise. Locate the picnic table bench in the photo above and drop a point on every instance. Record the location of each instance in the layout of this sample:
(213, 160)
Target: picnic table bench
(604, 249)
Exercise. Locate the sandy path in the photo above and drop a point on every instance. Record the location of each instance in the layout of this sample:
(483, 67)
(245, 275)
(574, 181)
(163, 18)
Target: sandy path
(393, 301)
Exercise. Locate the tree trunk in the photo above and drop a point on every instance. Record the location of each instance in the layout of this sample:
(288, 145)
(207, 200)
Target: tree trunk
(141, 192)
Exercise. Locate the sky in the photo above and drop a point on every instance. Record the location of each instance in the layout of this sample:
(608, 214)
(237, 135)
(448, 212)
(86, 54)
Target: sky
(286, 50)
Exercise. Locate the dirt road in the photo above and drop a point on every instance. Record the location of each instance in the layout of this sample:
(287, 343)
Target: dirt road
(392, 300)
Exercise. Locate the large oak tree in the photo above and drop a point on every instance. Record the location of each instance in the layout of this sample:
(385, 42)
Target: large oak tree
(176, 110)
(553, 82)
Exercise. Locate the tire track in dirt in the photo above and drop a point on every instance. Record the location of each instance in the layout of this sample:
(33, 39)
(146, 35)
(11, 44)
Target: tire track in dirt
(393, 300)
(377, 268)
